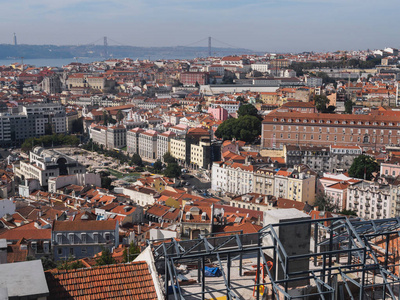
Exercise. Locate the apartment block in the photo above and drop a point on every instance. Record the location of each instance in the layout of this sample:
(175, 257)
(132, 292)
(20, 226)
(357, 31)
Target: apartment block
(369, 200)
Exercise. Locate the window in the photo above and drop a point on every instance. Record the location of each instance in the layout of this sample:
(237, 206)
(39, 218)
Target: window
(107, 236)
(59, 251)
(71, 238)
(96, 237)
(71, 251)
(59, 238)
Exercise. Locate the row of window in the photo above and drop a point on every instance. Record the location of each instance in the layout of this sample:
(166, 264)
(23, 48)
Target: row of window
(338, 122)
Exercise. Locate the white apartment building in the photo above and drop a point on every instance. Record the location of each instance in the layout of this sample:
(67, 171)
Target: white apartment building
(116, 136)
(260, 67)
(230, 177)
(132, 140)
(163, 143)
(230, 106)
(369, 200)
(148, 145)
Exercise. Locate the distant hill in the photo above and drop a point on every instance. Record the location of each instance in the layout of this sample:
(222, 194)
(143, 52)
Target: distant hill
(54, 52)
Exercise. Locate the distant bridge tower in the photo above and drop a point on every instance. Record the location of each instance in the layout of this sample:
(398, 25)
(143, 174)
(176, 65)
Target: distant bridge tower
(209, 46)
(15, 39)
(105, 47)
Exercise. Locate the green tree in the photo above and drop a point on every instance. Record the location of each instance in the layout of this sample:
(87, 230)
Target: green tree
(134, 251)
(348, 106)
(245, 128)
(228, 77)
(47, 262)
(105, 118)
(119, 116)
(105, 258)
(363, 166)
(248, 110)
(136, 160)
(158, 166)
(321, 101)
(173, 170)
(106, 182)
(168, 158)
(240, 99)
(348, 212)
(70, 264)
(324, 203)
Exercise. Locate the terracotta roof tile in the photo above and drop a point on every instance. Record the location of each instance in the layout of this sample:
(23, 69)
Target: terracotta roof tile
(121, 281)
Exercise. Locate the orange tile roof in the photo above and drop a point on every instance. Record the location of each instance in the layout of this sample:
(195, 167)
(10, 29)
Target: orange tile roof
(120, 281)
(86, 225)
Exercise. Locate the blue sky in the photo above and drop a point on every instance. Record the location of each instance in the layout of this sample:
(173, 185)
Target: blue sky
(262, 25)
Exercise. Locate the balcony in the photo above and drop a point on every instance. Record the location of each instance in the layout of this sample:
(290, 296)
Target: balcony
(367, 212)
(379, 199)
(367, 204)
(356, 202)
(378, 213)
(356, 196)
(379, 206)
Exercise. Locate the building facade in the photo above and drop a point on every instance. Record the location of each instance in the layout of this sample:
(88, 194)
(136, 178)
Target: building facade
(367, 131)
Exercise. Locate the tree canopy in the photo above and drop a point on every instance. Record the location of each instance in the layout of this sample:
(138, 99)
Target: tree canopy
(248, 110)
(50, 140)
(173, 170)
(363, 166)
(137, 160)
(105, 258)
(168, 158)
(348, 106)
(321, 102)
(158, 165)
(131, 252)
(246, 128)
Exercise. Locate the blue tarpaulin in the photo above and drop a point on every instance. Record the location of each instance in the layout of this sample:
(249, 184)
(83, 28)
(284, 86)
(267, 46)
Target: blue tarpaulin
(212, 272)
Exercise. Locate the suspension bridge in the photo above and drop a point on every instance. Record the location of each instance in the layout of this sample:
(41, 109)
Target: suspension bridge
(204, 42)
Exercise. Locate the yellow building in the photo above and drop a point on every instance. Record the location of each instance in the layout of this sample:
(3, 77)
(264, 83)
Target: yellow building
(178, 148)
(301, 187)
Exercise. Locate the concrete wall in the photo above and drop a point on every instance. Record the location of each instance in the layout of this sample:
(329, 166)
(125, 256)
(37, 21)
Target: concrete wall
(294, 238)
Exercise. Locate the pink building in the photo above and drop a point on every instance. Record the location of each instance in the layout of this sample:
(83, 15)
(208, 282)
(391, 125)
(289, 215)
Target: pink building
(391, 168)
(219, 113)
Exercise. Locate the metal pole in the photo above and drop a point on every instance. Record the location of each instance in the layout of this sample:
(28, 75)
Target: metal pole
(166, 277)
(203, 277)
(198, 270)
(315, 243)
(330, 252)
(258, 270)
(363, 274)
(241, 265)
(228, 265)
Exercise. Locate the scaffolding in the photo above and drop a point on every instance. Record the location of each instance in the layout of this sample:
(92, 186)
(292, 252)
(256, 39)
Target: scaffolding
(347, 259)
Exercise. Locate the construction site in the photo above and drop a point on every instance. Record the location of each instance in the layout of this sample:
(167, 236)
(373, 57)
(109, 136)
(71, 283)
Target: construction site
(291, 257)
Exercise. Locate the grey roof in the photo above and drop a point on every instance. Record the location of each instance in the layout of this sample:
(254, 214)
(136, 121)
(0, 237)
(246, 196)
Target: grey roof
(23, 279)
